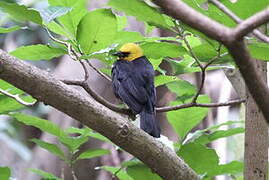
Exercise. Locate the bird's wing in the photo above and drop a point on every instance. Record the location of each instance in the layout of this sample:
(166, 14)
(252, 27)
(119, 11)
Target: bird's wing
(127, 87)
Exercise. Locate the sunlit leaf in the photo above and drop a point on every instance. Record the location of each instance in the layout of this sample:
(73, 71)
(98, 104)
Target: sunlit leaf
(162, 79)
(116, 171)
(44, 174)
(52, 148)
(92, 153)
(184, 120)
(158, 50)
(141, 171)
(69, 22)
(141, 11)
(5, 173)
(37, 52)
(97, 30)
(127, 37)
(42, 124)
(200, 158)
(10, 29)
(21, 12)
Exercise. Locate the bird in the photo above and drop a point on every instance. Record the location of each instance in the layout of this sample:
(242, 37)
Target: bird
(133, 83)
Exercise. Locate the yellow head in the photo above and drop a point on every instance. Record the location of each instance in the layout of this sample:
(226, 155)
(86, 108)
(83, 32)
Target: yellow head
(129, 52)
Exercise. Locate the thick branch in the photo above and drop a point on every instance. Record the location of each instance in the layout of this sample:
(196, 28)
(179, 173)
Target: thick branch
(251, 23)
(256, 85)
(232, 15)
(179, 10)
(44, 87)
(237, 49)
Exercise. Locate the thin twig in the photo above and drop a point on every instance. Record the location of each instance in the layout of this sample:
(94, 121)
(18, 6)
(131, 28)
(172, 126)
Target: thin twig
(194, 99)
(115, 108)
(191, 51)
(17, 98)
(73, 172)
(55, 39)
(86, 72)
(233, 16)
(98, 71)
(101, 100)
(209, 105)
(203, 71)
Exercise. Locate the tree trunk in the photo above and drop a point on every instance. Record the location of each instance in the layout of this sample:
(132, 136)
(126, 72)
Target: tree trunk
(256, 137)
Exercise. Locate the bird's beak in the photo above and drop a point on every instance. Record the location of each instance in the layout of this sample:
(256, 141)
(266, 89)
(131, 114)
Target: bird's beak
(119, 54)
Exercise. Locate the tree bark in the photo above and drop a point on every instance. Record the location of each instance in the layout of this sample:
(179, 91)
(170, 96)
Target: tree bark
(46, 88)
(256, 137)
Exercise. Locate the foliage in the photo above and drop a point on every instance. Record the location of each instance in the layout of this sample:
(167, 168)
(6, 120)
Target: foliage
(96, 34)
(4, 173)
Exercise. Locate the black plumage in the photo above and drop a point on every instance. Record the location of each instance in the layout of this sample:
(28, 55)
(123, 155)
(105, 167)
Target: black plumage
(133, 83)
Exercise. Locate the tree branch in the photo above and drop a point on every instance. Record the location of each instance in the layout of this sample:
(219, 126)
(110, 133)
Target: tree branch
(251, 23)
(179, 10)
(194, 104)
(257, 87)
(46, 88)
(232, 15)
(98, 71)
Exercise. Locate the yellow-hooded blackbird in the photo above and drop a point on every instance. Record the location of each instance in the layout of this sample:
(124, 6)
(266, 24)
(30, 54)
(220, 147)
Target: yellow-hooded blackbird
(133, 83)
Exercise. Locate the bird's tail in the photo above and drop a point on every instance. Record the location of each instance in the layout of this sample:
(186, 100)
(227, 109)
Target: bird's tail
(149, 123)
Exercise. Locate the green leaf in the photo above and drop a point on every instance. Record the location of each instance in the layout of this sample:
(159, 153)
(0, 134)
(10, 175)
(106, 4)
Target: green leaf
(86, 132)
(184, 120)
(206, 52)
(162, 79)
(52, 12)
(98, 136)
(142, 12)
(5, 173)
(158, 50)
(196, 4)
(21, 12)
(52, 148)
(117, 171)
(140, 171)
(155, 62)
(127, 37)
(10, 29)
(233, 167)
(97, 30)
(241, 7)
(42, 124)
(207, 138)
(186, 65)
(259, 51)
(122, 22)
(9, 105)
(192, 40)
(81, 131)
(212, 133)
(70, 21)
(73, 143)
(37, 52)
(59, 29)
(44, 174)
(200, 158)
(92, 153)
(182, 88)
